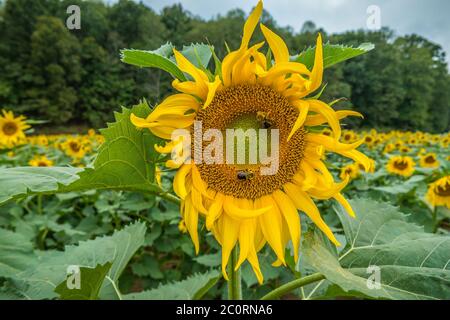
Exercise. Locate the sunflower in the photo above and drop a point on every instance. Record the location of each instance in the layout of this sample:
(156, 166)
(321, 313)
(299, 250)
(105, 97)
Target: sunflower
(12, 129)
(439, 193)
(403, 166)
(350, 170)
(74, 148)
(429, 160)
(349, 136)
(243, 208)
(40, 161)
(389, 147)
(369, 140)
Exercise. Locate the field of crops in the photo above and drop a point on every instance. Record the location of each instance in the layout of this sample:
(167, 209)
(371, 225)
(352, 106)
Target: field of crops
(144, 230)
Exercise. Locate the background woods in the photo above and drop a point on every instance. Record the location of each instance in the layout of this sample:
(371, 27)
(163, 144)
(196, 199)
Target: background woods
(76, 77)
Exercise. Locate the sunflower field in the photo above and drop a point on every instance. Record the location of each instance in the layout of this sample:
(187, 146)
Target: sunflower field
(118, 214)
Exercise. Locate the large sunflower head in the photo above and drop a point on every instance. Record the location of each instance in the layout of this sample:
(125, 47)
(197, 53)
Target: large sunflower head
(12, 129)
(401, 165)
(439, 193)
(429, 160)
(242, 205)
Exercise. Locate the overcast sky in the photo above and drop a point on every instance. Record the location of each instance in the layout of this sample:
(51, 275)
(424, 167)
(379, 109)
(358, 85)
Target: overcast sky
(429, 18)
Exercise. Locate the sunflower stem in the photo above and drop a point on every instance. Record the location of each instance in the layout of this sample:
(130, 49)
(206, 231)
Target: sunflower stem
(435, 222)
(234, 283)
(290, 286)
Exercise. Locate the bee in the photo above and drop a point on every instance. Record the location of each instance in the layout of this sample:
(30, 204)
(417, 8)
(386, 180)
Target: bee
(245, 175)
(263, 118)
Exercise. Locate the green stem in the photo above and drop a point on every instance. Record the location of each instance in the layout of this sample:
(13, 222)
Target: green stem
(435, 222)
(290, 286)
(39, 204)
(234, 282)
(169, 197)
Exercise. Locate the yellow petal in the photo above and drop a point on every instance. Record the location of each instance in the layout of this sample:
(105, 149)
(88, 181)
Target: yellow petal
(179, 181)
(303, 202)
(292, 219)
(191, 221)
(250, 24)
(230, 230)
(317, 72)
(340, 198)
(271, 225)
(303, 108)
(214, 210)
(277, 45)
(246, 240)
(237, 212)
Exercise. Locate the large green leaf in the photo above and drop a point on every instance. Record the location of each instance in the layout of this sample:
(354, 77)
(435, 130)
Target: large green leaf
(16, 253)
(333, 54)
(91, 280)
(199, 54)
(154, 59)
(413, 264)
(404, 187)
(125, 161)
(193, 288)
(40, 280)
(20, 181)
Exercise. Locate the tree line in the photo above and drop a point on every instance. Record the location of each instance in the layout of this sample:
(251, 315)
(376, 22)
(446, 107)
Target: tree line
(76, 77)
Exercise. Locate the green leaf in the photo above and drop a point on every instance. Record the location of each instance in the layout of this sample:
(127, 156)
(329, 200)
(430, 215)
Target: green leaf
(153, 59)
(402, 188)
(91, 280)
(40, 280)
(125, 161)
(16, 253)
(332, 54)
(199, 54)
(193, 288)
(413, 264)
(21, 181)
(209, 260)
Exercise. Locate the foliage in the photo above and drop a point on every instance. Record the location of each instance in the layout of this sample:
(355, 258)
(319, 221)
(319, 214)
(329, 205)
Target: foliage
(75, 76)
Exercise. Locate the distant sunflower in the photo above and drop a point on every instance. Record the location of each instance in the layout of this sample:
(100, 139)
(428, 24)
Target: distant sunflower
(74, 148)
(429, 160)
(351, 171)
(12, 129)
(40, 161)
(401, 165)
(263, 209)
(439, 193)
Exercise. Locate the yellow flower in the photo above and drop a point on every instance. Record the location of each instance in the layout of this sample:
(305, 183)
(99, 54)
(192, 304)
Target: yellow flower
(439, 193)
(158, 176)
(182, 226)
(241, 206)
(403, 166)
(349, 137)
(429, 161)
(40, 161)
(351, 171)
(389, 147)
(12, 129)
(91, 133)
(405, 149)
(74, 148)
(369, 140)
